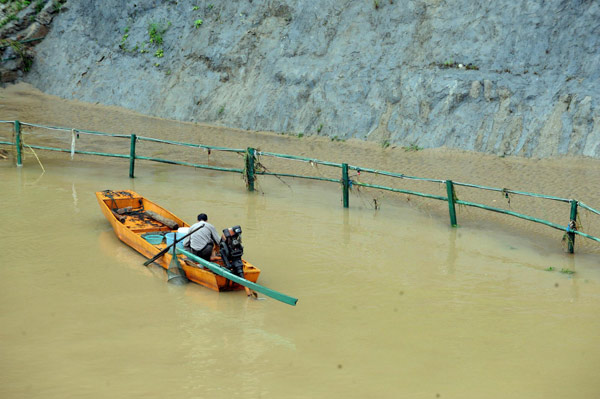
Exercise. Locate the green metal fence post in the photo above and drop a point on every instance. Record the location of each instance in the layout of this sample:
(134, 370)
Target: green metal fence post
(250, 158)
(345, 184)
(18, 143)
(132, 156)
(451, 205)
(572, 226)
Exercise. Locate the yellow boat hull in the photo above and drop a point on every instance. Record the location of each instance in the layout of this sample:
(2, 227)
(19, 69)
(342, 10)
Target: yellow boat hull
(131, 226)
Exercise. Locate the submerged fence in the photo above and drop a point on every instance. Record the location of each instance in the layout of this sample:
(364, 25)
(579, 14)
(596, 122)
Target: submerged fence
(253, 167)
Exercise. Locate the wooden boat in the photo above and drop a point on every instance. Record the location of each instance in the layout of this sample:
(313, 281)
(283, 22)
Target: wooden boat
(133, 216)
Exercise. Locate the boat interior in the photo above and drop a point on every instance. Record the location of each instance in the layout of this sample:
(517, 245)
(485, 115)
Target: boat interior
(139, 215)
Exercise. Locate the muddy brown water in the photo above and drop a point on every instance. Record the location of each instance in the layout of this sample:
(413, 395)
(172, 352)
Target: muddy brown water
(393, 302)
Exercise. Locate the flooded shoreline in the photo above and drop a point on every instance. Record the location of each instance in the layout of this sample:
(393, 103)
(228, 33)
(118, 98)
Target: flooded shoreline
(567, 177)
(393, 302)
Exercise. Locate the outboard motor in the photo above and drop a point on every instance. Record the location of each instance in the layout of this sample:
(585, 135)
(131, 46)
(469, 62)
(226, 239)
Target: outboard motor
(232, 250)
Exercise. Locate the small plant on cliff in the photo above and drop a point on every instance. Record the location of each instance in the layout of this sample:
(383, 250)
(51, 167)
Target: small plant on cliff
(412, 147)
(195, 8)
(197, 23)
(21, 52)
(39, 4)
(57, 5)
(221, 110)
(320, 128)
(376, 4)
(159, 53)
(143, 49)
(11, 17)
(123, 44)
(15, 6)
(156, 32)
(385, 144)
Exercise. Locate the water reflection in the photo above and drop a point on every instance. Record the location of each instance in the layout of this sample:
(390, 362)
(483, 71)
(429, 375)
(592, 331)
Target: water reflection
(75, 199)
(452, 252)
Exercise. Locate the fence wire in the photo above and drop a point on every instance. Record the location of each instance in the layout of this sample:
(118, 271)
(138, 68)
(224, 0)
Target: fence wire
(371, 188)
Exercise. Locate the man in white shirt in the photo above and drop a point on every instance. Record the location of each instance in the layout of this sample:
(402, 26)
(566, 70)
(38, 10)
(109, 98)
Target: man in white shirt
(203, 238)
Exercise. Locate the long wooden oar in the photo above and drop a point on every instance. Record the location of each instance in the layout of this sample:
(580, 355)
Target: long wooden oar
(166, 249)
(242, 281)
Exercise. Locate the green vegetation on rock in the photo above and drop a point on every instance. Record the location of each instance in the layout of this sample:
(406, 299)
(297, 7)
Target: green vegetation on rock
(156, 31)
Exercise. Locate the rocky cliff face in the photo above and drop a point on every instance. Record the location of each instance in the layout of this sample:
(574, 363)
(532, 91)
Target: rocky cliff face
(23, 24)
(504, 77)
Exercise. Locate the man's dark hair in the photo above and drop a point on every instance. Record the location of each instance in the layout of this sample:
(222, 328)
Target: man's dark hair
(202, 216)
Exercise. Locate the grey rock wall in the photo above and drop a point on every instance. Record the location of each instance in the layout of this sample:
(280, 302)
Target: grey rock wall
(505, 77)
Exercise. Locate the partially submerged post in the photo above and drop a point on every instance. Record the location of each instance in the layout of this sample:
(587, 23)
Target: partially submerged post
(572, 226)
(451, 204)
(250, 168)
(132, 156)
(345, 184)
(18, 143)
